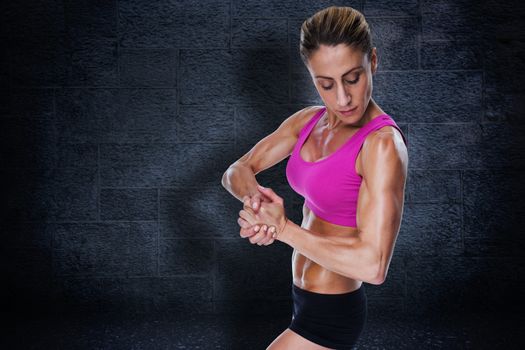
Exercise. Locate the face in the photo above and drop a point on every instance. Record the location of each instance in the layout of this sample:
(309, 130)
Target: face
(343, 77)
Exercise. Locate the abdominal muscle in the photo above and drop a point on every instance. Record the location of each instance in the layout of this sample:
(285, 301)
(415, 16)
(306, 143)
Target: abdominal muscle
(311, 276)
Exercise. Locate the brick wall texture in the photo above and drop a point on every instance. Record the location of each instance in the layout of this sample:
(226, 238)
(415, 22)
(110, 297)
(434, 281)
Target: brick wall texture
(119, 118)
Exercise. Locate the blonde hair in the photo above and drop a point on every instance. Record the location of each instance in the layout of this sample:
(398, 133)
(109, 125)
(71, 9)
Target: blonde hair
(332, 26)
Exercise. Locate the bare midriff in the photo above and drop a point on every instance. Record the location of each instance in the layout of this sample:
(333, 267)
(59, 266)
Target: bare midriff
(311, 276)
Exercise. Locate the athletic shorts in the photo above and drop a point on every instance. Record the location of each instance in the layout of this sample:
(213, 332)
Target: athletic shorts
(332, 320)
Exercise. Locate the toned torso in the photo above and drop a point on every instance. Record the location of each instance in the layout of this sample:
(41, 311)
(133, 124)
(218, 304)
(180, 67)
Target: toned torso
(306, 273)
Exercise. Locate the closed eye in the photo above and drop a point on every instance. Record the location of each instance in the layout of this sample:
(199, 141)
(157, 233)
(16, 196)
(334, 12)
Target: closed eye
(348, 81)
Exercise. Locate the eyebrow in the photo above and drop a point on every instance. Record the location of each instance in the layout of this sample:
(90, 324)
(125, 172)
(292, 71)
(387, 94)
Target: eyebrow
(321, 76)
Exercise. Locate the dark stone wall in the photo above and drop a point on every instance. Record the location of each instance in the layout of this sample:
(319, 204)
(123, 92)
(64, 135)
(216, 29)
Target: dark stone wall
(119, 118)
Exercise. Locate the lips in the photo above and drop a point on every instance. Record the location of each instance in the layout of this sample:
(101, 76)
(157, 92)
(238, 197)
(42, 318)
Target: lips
(348, 110)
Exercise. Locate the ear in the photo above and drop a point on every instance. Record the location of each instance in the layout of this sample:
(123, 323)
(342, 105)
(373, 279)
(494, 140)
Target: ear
(374, 60)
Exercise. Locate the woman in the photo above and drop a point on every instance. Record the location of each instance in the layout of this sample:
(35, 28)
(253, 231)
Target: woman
(348, 159)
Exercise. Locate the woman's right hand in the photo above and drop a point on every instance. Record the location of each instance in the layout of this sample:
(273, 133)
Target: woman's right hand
(262, 235)
(255, 201)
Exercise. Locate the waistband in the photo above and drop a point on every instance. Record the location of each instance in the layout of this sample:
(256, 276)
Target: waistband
(309, 293)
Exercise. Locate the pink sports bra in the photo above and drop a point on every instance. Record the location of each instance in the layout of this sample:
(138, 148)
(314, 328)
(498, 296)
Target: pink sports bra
(331, 185)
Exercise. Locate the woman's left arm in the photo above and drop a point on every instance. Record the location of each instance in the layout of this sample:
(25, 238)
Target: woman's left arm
(367, 255)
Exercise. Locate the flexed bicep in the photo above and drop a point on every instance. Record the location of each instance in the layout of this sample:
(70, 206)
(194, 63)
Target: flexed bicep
(381, 198)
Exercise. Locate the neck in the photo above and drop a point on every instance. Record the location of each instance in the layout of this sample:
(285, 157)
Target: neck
(332, 122)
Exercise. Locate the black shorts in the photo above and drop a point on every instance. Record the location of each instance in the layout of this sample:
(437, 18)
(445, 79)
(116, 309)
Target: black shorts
(332, 320)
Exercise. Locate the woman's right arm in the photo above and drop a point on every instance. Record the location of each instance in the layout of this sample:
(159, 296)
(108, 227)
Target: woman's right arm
(239, 179)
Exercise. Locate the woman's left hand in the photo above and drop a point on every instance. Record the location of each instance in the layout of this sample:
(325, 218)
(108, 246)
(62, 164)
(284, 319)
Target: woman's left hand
(270, 213)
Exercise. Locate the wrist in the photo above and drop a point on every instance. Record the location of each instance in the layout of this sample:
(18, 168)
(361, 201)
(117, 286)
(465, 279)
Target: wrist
(278, 232)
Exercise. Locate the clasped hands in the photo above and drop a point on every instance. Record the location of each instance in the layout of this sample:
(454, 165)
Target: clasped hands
(265, 222)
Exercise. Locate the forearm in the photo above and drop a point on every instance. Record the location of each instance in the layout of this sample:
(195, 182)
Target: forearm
(240, 181)
(347, 256)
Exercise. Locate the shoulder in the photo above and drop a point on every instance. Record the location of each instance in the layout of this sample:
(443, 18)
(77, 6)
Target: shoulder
(386, 139)
(383, 146)
(299, 119)
(384, 136)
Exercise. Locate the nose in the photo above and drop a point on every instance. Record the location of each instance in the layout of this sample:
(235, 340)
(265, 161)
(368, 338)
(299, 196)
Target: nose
(343, 99)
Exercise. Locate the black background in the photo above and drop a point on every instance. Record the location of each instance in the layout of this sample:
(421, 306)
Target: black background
(119, 118)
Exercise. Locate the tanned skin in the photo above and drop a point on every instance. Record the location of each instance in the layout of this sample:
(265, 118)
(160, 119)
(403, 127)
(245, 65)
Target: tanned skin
(329, 258)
